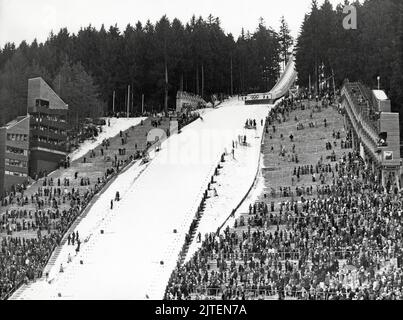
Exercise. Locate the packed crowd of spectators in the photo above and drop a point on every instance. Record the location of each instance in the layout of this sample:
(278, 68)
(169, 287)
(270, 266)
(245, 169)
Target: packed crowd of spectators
(47, 221)
(31, 226)
(341, 243)
(367, 109)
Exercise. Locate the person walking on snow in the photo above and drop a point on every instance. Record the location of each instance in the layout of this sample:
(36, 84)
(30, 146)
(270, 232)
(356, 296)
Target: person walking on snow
(78, 246)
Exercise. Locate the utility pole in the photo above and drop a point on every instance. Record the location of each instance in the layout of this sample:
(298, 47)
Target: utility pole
(132, 100)
(142, 104)
(166, 89)
(181, 84)
(113, 102)
(310, 84)
(232, 87)
(334, 87)
(202, 88)
(125, 104)
(316, 77)
(197, 80)
(128, 100)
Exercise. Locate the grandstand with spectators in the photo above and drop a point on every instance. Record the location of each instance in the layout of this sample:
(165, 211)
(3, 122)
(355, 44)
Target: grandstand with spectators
(323, 227)
(275, 196)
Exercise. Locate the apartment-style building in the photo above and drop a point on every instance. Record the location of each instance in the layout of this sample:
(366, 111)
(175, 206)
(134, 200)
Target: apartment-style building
(48, 128)
(14, 153)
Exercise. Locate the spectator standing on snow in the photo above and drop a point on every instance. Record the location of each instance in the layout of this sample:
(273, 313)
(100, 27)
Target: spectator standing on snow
(78, 246)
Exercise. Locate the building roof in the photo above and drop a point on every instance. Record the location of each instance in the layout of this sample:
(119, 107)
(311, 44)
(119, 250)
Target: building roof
(380, 94)
(55, 102)
(15, 121)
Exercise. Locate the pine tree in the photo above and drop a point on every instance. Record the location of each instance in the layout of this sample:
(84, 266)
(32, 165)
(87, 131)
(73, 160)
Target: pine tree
(397, 77)
(76, 87)
(198, 57)
(286, 41)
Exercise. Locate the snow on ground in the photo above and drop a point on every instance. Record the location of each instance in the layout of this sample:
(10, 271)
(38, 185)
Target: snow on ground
(204, 111)
(117, 124)
(250, 199)
(256, 191)
(135, 256)
(233, 183)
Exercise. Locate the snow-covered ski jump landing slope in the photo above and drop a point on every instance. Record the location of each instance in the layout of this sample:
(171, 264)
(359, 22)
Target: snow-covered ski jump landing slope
(116, 125)
(138, 249)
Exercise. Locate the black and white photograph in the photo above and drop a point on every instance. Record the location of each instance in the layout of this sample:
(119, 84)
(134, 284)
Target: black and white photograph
(201, 151)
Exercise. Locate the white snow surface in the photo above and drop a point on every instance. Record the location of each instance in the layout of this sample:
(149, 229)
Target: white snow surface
(287, 78)
(135, 256)
(117, 124)
(380, 95)
(232, 185)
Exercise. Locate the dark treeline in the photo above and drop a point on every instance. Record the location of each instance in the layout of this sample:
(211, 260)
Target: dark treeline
(374, 49)
(199, 57)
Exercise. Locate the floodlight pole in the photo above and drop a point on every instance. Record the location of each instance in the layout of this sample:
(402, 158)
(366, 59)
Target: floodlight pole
(128, 100)
(113, 103)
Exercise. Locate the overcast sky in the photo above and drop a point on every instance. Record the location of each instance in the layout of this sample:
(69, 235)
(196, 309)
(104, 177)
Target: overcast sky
(30, 19)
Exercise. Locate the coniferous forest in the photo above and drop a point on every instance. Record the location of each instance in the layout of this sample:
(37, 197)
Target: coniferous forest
(324, 48)
(86, 68)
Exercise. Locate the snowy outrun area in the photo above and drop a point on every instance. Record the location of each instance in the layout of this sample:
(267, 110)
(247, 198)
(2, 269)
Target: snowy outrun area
(125, 261)
(117, 124)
